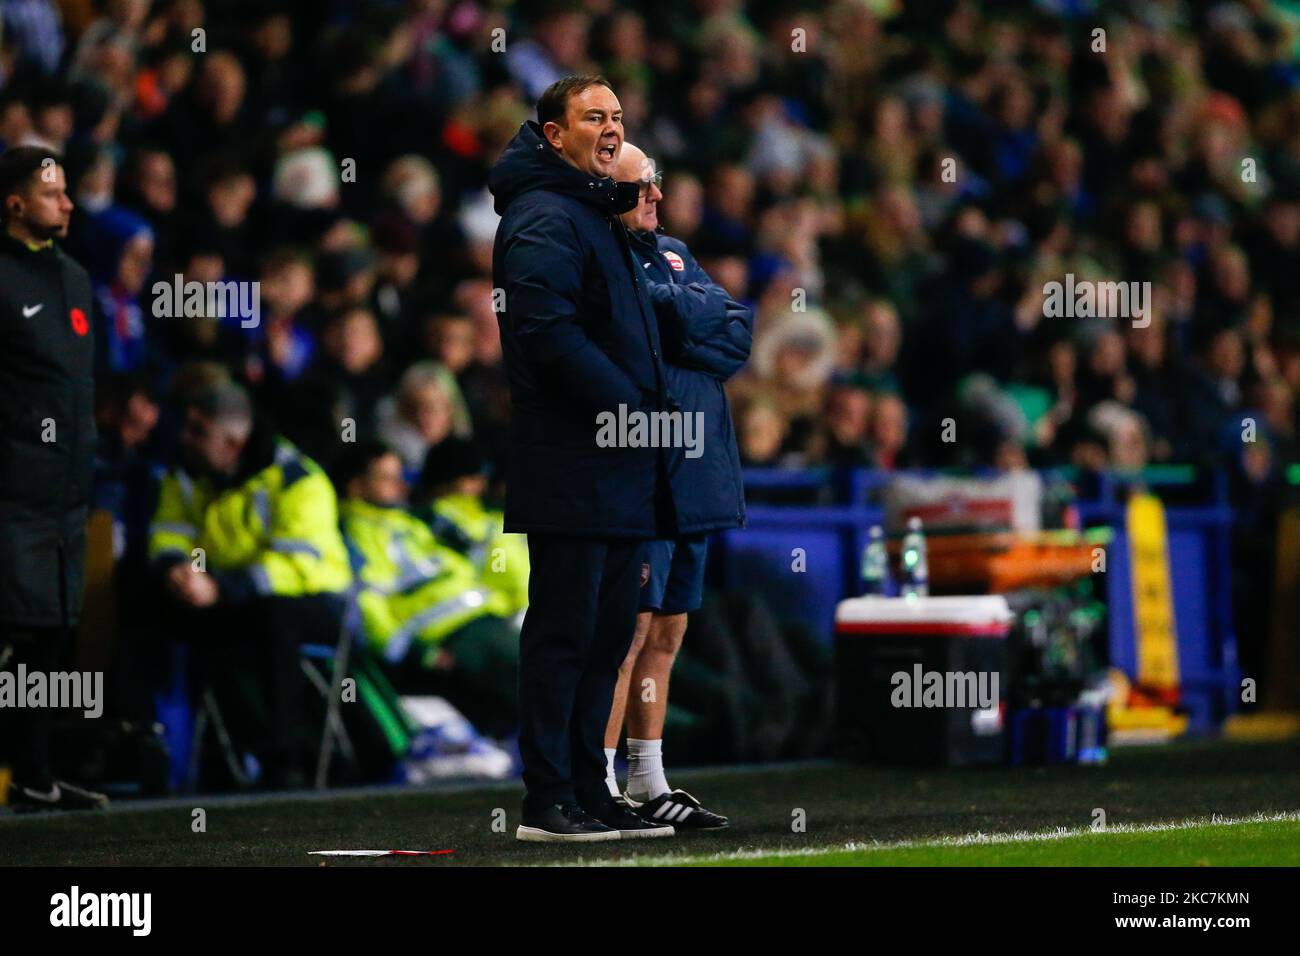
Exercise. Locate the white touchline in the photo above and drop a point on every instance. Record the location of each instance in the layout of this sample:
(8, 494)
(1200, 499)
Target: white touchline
(969, 839)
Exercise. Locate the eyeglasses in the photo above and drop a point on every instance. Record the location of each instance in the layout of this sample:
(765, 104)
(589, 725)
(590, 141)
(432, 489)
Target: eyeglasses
(657, 182)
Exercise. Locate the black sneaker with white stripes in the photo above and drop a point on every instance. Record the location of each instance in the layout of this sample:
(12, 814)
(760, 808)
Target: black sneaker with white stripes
(681, 810)
(61, 796)
(631, 825)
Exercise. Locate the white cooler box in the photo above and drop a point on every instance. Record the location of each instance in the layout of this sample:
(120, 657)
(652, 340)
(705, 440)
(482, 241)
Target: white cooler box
(922, 681)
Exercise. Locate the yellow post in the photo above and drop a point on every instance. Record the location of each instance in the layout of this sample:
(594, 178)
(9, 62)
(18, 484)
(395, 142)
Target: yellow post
(1153, 598)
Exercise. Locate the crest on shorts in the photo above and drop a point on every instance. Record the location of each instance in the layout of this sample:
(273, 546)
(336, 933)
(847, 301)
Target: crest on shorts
(645, 573)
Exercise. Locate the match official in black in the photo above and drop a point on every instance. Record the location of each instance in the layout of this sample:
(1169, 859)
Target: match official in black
(47, 441)
(580, 338)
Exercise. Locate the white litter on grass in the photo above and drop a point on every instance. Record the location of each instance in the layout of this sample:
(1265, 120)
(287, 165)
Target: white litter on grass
(379, 852)
(969, 839)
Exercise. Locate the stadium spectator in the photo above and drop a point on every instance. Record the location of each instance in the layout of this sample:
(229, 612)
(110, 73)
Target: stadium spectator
(794, 354)
(452, 498)
(288, 281)
(882, 343)
(425, 609)
(400, 294)
(123, 244)
(1212, 390)
(763, 429)
(483, 382)
(342, 390)
(126, 416)
(148, 186)
(889, 432)
(449, 338)
(247, 552)
(557, 47)
(847, 421)
(427, 408)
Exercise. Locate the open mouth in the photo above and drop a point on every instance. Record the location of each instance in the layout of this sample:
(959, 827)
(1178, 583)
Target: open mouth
(607, 152)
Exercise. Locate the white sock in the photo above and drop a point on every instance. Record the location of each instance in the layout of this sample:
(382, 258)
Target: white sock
(611, 781)
(645, 769)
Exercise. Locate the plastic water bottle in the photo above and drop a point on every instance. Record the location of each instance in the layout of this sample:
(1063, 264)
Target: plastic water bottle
(916, 570)
(875, 564)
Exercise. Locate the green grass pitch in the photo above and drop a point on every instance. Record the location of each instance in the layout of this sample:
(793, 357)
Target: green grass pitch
(1248, 842)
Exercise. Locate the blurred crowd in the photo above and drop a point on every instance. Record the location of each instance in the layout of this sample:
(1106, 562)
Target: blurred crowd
(890, 184)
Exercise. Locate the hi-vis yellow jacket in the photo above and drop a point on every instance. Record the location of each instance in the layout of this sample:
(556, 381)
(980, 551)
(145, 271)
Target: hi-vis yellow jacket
(413, 589)
(276, 533)
(501, 559)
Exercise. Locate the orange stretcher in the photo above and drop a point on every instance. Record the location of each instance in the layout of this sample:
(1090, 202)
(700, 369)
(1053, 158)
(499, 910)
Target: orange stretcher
(1006, 561)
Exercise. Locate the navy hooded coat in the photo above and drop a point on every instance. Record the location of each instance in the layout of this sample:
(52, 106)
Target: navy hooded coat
(579, 337)
(707, 337)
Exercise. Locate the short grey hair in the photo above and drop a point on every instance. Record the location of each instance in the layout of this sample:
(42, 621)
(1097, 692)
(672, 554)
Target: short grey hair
(226, 403)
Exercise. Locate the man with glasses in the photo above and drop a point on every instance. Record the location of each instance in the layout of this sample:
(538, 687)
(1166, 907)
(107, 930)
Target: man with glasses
(706, 337)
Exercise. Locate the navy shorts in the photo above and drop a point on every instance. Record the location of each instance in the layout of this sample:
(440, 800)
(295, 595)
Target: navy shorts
(672, 575)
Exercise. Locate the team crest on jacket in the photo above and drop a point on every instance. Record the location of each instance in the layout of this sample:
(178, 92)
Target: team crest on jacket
(79, 323)
(675, 261)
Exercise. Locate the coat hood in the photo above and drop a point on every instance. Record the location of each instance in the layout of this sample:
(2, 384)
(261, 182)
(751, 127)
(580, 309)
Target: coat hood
(110, 233)
(529, 162)
(811, 330)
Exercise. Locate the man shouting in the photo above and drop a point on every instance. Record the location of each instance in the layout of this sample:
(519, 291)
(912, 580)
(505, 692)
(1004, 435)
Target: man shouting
(580, 339)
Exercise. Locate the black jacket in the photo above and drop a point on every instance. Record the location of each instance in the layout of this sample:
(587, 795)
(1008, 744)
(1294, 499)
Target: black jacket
(47, 434)
(706, 336)
(579, 338)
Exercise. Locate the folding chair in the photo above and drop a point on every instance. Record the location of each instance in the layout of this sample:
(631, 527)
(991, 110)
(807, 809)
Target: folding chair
(333, 730)
(209, 711)
(339, 655)
(315, 660)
